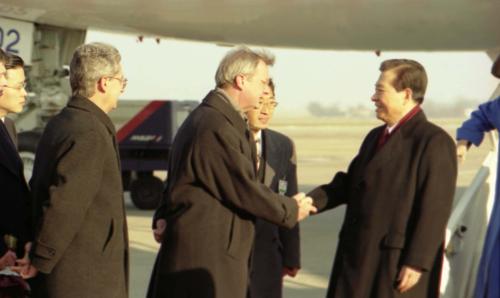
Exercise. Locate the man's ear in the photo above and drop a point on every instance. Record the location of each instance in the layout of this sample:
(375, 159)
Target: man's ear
(408, 94)
(102, 85)
(239, 81)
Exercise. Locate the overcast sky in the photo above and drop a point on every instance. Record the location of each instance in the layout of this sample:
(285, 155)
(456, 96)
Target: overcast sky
(176, 69)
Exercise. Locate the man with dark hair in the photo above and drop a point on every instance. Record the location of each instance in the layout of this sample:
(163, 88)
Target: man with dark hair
(398, 191)
(485, 119)
(81, 242)
(14, 210)
(3, 60)
(14, 66)
(276, 250)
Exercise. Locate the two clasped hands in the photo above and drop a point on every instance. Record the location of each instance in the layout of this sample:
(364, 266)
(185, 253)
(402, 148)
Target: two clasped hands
(22, 266)
(305, 204)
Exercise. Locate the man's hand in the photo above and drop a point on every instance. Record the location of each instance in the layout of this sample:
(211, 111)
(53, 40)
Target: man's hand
(292, 272)
(305, 206)
(8, 259)
(408, 277)
(462, 147)
(161, 225)
(23, 266)
(25, 269)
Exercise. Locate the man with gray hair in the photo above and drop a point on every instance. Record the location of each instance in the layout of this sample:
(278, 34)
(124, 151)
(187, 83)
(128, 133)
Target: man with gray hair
(206, 221)
(81, 242)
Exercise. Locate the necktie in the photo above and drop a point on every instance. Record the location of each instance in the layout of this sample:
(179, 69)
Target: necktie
(258, 147)
(383, 139)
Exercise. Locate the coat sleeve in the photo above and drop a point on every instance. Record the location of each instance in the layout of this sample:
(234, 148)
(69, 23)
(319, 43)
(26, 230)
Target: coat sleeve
(290, 238)
(77, 179)
(432, 206)
(484, 119)
(331, 195)
(336, 193)
(229, 176)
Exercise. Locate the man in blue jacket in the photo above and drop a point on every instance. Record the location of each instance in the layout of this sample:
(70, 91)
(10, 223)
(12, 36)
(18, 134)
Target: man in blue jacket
(485, 119)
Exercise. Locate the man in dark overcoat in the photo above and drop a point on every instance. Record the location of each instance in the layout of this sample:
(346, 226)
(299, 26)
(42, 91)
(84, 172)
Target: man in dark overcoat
(399, 191)
(212, 194)
(81, 242)
(14, 191)
(276, 250)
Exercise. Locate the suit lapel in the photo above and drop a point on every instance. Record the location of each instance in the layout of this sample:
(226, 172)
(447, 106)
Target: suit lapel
(11, 129)
(9, 158)
(387, 153)
(270, 151)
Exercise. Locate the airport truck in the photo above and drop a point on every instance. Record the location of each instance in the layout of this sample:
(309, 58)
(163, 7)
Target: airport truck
(145, 143)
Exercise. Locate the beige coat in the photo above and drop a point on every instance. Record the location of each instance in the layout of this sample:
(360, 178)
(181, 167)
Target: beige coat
(211, 201)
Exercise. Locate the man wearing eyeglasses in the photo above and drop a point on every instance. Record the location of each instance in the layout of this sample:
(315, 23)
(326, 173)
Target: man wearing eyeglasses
(80, 247)
(14, 210)
(276, 249)
(205, 222)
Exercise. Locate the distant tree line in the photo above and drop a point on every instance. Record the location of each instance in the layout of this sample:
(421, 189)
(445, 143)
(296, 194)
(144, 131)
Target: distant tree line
(457, 109)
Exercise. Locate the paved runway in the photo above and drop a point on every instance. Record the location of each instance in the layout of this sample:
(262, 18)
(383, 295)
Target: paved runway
(318, 240)
(322, 150)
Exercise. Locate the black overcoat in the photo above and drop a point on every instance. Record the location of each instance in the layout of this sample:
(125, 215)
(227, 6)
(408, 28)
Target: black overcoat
(398, 203)
(14, 192)
(275, 247)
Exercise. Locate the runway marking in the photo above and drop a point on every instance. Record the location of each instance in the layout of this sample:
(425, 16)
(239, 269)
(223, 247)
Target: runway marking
(305, 280)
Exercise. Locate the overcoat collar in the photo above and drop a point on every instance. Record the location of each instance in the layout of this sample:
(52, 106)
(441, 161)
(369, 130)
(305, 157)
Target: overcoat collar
(214, 99)
(393, 147)
(82, 103)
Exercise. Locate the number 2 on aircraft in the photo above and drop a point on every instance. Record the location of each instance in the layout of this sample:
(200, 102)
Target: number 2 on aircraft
(11, 42)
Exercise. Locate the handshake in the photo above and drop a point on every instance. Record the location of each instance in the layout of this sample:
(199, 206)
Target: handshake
(305, 204)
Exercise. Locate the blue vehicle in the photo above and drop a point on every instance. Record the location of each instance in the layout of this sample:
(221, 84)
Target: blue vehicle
(145, 143)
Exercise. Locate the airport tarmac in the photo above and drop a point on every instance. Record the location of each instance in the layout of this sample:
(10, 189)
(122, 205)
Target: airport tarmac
(324, 146)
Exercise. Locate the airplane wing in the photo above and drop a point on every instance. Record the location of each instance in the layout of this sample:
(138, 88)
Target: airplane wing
(318, 24)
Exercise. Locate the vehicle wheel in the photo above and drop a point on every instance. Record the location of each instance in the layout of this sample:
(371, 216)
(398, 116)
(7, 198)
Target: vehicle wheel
(28, 141)
(146, 192)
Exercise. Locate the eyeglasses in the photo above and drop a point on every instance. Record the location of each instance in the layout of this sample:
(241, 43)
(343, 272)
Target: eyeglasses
(271, 105)
(19, 87)
(123, 80)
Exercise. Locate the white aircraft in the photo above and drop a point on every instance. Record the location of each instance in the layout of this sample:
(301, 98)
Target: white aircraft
(319, 24)
(422, 25)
